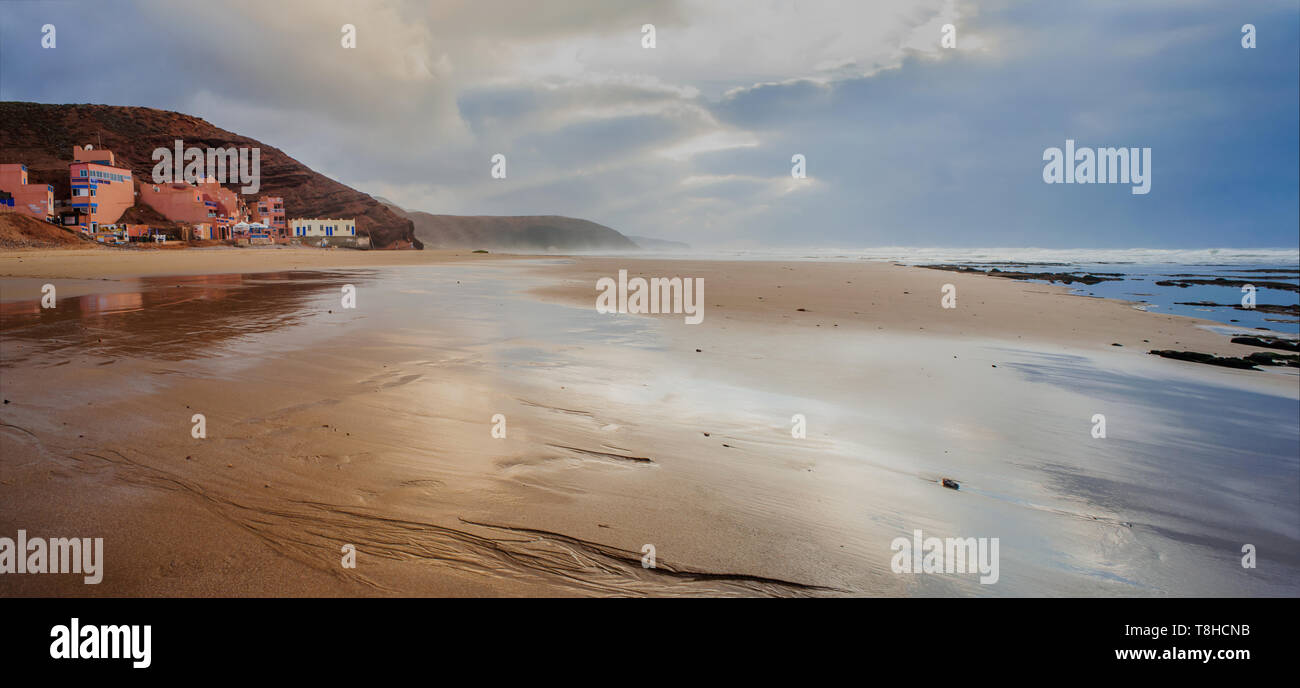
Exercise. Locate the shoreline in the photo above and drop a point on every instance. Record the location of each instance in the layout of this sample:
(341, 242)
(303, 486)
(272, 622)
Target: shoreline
(373, 428)
(1024, 310)
(101, 263)
(886, 296)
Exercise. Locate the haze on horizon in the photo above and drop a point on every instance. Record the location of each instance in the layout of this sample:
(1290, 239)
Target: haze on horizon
(907, 144)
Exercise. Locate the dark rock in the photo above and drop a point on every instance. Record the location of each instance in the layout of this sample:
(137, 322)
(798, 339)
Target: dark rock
(1269, 343)
(1273, 359)
(1219, 281)
(1210, 359)
(1063, 277)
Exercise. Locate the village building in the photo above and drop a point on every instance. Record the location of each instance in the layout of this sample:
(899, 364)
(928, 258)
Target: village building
(120, 233)
(36, 200)
(208, 203)
(72, 217)
(202, 231)
(101, 189)
(177, 201)
(102, 192)
(322, 228)
(270, 211)
(252, 233)
(226, 202)
(89, 153)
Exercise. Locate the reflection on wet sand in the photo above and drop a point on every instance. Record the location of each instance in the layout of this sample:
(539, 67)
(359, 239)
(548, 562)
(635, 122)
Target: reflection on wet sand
(1193, 463)
(372, 427)
(165, 318)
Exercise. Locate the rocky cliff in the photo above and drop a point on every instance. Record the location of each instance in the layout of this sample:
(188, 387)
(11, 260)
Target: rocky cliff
(514, 232)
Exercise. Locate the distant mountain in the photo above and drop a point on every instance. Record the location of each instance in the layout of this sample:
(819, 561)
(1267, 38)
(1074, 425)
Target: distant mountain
(513, 232)
(41, 136)
(659, 244)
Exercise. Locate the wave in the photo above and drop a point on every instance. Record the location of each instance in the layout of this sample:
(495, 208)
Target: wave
(906, 254)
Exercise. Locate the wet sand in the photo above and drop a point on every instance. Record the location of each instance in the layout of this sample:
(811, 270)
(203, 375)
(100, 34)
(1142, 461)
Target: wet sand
(373, 427)
(114, 270)
(892, 298)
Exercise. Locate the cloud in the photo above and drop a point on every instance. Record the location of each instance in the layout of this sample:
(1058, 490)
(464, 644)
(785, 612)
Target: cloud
(906, 142)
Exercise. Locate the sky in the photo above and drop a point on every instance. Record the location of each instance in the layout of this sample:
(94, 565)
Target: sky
(906, 142)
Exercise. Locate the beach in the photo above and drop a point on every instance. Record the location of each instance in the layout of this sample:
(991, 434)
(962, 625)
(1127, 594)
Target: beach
(475, 427)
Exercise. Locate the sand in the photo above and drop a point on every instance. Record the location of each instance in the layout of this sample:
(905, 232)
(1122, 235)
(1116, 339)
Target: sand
(875, 294)
(890, 297)
(109, 263)
(373, 428)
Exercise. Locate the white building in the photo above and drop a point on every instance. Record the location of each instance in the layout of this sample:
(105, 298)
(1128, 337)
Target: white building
(322, 228)
(250, 230)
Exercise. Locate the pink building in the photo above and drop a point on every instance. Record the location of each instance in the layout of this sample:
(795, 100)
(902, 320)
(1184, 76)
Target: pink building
(99, 187)
(228, 203)
(203, 230)
(36, 200)
(87, 153)
(179, 202)
(209, 204)
(269, 210)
